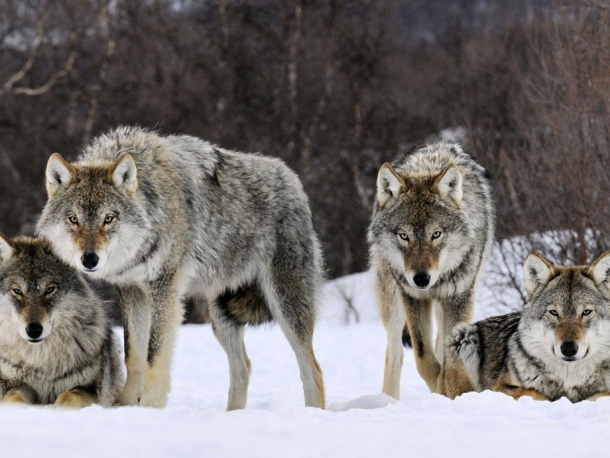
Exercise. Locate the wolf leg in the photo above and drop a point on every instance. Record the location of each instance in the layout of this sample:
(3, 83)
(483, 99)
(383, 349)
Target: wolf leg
(294, 311)
(419, 321)
(137, 314)
(166, 318)
(393, 316)
(462, 355)
(596, 396)
(76, 399)
(230, 335)
(20, 395)
(507, 386)
(453, 380)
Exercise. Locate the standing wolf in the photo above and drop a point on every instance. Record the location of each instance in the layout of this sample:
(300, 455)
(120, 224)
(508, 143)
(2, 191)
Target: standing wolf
(55, 343)
(558, 346)
(431, 231)
(164, 217)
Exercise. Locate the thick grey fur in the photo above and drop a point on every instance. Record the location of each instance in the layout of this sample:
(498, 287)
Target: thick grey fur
(79, 353)
(235, 228)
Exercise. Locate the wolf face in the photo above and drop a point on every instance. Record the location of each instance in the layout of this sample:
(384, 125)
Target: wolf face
(420, 225)
(92, 214)
(569, 306)
(35, 288)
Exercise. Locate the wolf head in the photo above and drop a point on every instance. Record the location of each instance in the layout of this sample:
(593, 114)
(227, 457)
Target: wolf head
(36, 287)
(419, 225)
(568, 309)
(93, 217)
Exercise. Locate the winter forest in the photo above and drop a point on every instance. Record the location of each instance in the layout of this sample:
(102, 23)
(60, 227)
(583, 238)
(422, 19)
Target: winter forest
(334, 88)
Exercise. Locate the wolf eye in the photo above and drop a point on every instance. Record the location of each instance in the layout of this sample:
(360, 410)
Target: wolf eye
(436, 234)
(554, 312)
(587, 312)
(17, 291)
(49, 290)
(109, 219)
(403, 236)
(73, 219)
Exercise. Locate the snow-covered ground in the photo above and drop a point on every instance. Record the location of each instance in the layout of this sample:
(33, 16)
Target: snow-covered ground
(359, 422)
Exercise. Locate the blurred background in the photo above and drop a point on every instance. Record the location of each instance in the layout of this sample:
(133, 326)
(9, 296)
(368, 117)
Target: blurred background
(334, 88)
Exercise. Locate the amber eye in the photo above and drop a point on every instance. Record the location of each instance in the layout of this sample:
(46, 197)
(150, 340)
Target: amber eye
(554, 312)
(17, 292)
(73, 219)
(403, 236)
(109, 219)
(436, 234)
(49, 290)
(587, 312)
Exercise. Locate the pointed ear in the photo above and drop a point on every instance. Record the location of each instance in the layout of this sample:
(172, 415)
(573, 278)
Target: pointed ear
(449, 184)
(123, 174)
(6, 248)
(600, 268)
(60, 173)
(538, 272)
(389, 184)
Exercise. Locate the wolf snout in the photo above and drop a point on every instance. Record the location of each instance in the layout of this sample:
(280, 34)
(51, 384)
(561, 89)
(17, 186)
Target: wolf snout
(421, 279)
(34, 330)
(90, 260)
(569, 349)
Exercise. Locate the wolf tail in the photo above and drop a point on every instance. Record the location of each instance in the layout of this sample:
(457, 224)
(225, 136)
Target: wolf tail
(406, 337)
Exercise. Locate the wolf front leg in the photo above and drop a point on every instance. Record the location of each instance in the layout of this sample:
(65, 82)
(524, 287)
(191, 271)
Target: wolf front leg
(392, 313)
(507, 386)
(596, 396)
(419, 321)
(76, 399)
(20, 395)
(453, 380)
(137, 316)
(166, 318)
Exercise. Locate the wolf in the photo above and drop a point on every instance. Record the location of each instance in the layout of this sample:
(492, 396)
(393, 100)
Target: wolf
(431, 231)
(165, 217)
(56, 346)
(559, 346)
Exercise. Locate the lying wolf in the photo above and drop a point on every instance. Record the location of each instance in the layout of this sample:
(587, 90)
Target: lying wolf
(165, 217)
(56, 346)
(558, 346)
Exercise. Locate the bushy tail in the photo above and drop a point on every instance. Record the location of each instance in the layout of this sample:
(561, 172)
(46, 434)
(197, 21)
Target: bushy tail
(406, 337)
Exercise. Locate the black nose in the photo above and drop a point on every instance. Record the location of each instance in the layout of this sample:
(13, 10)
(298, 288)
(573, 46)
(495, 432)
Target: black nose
(569, 349)
(33, 330)
(89, 260)
(421, 279)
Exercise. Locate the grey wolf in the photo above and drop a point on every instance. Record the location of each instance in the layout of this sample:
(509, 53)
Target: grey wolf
(165, 217)
(559, 346)
(431, 231)
(56, 346)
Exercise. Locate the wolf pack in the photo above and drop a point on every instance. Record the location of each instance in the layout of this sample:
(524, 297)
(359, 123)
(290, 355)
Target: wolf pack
(165, 218)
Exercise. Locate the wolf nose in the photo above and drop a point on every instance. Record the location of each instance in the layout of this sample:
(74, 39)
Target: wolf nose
(421, 279)
(89, 260)
(33, 330)
(569, 349)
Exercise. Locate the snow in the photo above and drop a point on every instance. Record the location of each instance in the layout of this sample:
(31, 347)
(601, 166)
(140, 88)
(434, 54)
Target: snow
(359, 421)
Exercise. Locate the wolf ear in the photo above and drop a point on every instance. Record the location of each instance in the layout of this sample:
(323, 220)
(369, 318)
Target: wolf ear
(124, 174)
(60, 173)
(538, 272)
(6, 249)
(449, 184)
(389, 184)
(599, 269)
